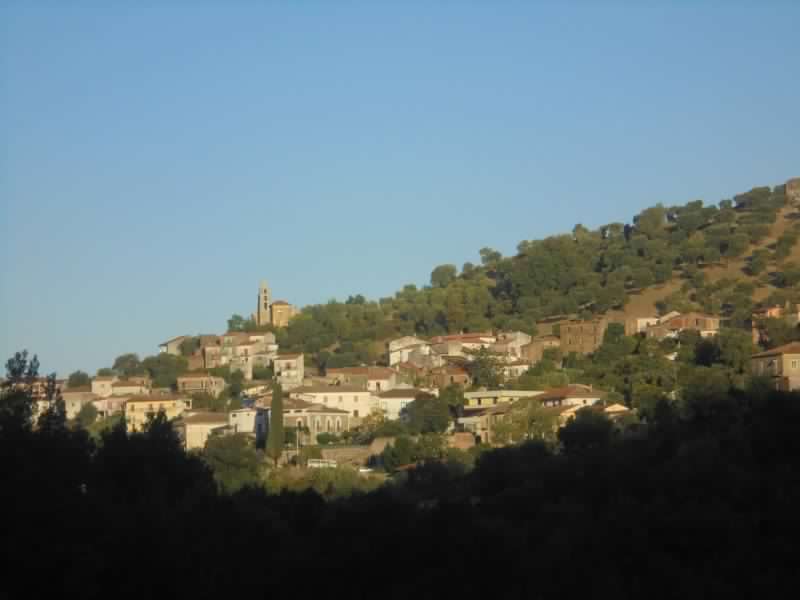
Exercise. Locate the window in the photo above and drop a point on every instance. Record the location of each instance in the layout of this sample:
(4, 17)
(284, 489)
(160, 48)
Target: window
(355, 413)
(795, 364)
(340, 399)
(355, 398)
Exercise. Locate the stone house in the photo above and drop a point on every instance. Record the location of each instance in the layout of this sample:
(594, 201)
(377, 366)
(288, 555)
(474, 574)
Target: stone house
(781, 365)
(486, 398)
(101, 385)
(582, 337)
(355, 401)
(289, 370)
(391, 403)
(513, 370)
(311, 419)
(172, 346)
(130, 387)
(249, 420)
(533, 351)
(194, 383)
(138, 409)
(442, 377)
(571, 395)
(671, 326)
(400, 349)
(76, 398)
(198, 427)
(374, 379)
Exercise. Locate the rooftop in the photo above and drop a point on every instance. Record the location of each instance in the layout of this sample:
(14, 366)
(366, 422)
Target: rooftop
(206, 417)
(329, 389)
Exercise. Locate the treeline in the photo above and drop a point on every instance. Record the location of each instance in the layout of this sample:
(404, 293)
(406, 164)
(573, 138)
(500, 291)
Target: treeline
(587, 272)
(700, 502)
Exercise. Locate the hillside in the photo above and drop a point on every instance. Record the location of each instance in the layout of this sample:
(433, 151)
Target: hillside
(719, 258)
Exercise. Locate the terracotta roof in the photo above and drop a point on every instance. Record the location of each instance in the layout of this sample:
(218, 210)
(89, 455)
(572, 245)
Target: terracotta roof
(281, 302)
(175, 339)
(290, 356)
(407, 393)
(196, 375)
(791, 348)
(104, 378)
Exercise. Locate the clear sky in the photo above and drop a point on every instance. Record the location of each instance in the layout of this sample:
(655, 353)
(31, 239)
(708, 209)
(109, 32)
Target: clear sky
(158, 159)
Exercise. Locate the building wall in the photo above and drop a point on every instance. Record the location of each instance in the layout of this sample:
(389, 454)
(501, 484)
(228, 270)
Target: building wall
(582, 337)
(356, 403)
(137, 413)
(102, 386)
(249, 420)
(289, 371)
(193, 385)
(196, 434)
(281, 314)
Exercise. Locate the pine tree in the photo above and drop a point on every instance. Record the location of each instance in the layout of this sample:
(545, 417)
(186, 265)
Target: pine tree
(275, 439)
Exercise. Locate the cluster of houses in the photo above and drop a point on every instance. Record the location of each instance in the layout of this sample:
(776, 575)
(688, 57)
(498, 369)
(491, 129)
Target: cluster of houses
(340, 399)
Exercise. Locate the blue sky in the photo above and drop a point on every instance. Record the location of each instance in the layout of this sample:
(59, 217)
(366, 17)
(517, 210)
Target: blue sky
(157, 161)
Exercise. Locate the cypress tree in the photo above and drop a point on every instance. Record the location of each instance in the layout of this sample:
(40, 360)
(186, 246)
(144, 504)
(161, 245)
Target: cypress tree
(275, 439)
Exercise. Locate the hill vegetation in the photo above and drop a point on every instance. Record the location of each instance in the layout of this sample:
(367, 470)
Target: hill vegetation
(715, 258)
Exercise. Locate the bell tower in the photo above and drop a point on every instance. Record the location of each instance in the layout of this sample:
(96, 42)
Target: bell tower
(264, 302)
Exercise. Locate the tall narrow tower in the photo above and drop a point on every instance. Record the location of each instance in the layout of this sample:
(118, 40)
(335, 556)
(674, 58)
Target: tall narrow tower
(262, 313)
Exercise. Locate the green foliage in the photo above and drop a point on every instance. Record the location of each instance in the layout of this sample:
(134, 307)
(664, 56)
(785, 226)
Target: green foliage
(189, 346)
(588, 431)
(105, 372)
(427, 414)
(205, 401)
(239, 323)
(406, 450)
(164, 369)
(484, 368)
(129, 365)
(78, 379)
(275, 438)
(87, 415)
(587, 272)
(263, 373)
(325, 438)
(443, 275)
(234, 461)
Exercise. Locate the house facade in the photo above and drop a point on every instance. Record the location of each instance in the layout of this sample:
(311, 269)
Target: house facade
(139, 409)
(781, 365)
(391, 403)
(571, 395)
(582, 337)
(289, 370)
(200, 383)
(198, 427)
(373, 379)
(671, 326)
(487, 398)
(355, 401)
(101, 385)
(400, 350)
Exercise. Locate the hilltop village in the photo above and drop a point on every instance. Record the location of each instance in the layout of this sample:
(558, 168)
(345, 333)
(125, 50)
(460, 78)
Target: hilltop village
(352, 383)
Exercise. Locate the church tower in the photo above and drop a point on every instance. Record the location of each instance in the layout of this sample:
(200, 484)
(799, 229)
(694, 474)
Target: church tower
(263, 312)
